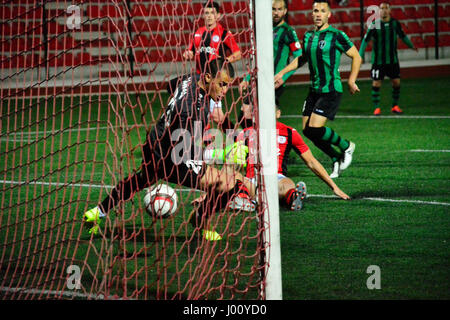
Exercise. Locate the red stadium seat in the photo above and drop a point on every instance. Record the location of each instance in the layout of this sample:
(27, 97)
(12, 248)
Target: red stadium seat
(240, 7)
(140, 56)
(444, 26)
(350, 16)
(444, 12)
(141, 41)
(35, 27)
(65, 43)
(112, 11)
(227, 7)
(398, 13)
(156, 40)
(5, 12)
(298, 18)
(353, 4)
(93, 12)
(425, 12)
(84, 58)
(444, 40)
(167, 25)
(34, 13)
(176, 39)
(418, 41)
(344, 17)
(413, 27)
(427, 26)
(17, 28)
(139, 10)
(155, 10)
(172, 55)
(113, 26)
(301, 32)
(19, 11)
(410, 12)
(429, 41)
(67, 60)
(353, 32)
(18, 45)
(54, 27)
(298, 5)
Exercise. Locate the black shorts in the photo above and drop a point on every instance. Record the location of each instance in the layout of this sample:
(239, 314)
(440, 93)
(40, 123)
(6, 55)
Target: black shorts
(378, 72)
(167, 167)
(323, 104)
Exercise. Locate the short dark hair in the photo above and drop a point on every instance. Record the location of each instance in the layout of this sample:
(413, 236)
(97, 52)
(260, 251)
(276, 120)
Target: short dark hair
(212, 4)
(323, 1)
(216, 65)
(284, 2)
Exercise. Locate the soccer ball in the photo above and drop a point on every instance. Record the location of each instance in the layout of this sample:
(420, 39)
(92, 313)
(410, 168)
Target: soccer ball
(161, 201)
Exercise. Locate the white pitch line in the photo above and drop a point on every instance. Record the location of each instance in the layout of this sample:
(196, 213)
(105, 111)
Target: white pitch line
(57, 184)
(420, 150)
(384, 200)
(4, 136)
(71, 294)
(374, 117)
(85, 185)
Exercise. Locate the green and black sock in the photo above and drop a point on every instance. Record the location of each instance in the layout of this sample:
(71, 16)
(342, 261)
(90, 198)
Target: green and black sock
(376, 97)
(331, 136)
(322, 138)
(395, 96)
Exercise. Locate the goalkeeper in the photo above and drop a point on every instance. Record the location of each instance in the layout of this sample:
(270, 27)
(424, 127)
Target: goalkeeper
(170, 148)
(291, 195)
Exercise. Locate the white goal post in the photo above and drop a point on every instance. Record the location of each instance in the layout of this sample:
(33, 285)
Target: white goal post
(267, 136)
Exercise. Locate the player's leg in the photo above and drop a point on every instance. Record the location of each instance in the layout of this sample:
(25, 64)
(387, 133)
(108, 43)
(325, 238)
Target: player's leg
(291, 196)
(376, 97)
(396, 96)
(324, 137)
(124, 190)
(315, 134)
(377, 74)
(222, 188)
(314, 124)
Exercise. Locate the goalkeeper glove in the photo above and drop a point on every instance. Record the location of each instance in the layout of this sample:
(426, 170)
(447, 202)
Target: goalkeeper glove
(235, 153)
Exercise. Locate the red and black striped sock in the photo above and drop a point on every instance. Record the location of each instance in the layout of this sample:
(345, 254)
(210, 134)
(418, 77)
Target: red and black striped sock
(289, 197)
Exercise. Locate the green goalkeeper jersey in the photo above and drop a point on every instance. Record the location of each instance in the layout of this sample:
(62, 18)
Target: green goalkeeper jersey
(324, 49)
(384, 36)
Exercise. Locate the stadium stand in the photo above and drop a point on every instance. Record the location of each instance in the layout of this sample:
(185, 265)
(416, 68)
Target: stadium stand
(105, 30)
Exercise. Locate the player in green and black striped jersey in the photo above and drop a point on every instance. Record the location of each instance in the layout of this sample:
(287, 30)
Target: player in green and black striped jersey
(322, 49)
(285, 44)
(384, 33)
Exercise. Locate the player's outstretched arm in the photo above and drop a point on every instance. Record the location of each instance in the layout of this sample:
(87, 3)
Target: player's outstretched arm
(356, 65)
(316, 167)
(295, 64)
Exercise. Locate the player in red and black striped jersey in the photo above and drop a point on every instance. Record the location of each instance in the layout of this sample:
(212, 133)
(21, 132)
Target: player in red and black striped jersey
(290, 195)
(287, 139)
(212, 40)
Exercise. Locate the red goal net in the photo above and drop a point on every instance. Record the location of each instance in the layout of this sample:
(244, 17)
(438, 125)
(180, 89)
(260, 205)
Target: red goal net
(82, 85)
